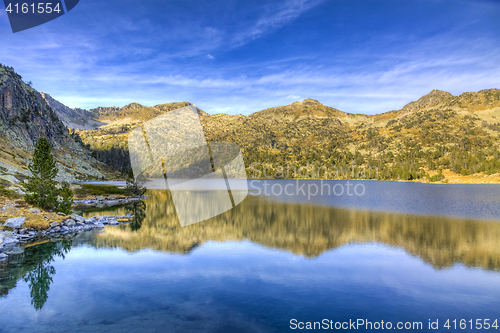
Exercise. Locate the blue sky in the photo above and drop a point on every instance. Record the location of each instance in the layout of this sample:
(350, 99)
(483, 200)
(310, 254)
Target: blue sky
(237, 56)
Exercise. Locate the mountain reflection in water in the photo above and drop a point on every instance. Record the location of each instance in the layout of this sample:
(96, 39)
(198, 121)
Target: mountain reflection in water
(305, 229)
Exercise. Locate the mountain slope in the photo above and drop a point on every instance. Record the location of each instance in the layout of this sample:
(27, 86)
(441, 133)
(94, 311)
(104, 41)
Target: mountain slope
(71, 118)
(24, 118)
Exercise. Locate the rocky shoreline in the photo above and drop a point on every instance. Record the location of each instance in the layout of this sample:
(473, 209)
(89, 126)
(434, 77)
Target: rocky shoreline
(106, 201)
(11, 242)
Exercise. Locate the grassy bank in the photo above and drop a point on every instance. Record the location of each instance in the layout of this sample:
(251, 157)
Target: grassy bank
(89, 190)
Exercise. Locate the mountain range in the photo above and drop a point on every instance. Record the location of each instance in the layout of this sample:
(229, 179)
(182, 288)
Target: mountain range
(439, 137)
(457, 135)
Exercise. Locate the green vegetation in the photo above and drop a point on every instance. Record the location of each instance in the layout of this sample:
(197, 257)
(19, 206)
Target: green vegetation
(41, 189)
(108, 145)
(437, 178)
(90, 190)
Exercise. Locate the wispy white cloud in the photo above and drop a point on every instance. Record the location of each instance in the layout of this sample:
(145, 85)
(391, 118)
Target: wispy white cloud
(276, 15)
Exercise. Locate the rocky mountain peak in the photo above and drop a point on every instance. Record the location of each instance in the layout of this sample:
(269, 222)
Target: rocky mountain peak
(483, 99)
(133, 106)
(310, 101)
(432, 99)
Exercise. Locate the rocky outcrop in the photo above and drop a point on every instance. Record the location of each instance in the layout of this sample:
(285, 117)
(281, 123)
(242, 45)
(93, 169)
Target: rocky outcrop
(432, 99)
(24, 114)
(308, 108)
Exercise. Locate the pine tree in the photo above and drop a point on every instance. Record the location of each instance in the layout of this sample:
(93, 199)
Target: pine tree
(40, 187)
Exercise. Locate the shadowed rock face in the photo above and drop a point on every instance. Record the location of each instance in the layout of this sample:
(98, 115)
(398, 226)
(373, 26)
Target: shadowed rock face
(307, 230)
(24, 114)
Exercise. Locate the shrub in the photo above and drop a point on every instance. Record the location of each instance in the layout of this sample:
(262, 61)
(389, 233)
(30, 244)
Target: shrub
(438, 177)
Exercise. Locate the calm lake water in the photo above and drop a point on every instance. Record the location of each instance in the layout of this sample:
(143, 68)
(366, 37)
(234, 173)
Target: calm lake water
(400, 252)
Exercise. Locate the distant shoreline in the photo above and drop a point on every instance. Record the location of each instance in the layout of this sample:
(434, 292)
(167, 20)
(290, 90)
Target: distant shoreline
(424, 181)
(384, 180)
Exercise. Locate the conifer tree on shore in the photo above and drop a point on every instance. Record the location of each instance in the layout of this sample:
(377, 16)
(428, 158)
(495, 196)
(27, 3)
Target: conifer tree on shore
(40, 187)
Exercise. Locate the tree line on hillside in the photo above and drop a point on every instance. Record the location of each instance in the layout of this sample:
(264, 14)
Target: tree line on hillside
(406, 148)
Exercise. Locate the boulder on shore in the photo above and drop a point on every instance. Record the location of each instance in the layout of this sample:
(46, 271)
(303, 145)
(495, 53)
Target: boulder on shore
(15, 222)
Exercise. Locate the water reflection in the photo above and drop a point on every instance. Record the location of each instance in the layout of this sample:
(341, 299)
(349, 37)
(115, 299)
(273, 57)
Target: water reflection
(138, 209)
(308, 230)
(35, 267)
(299, 228)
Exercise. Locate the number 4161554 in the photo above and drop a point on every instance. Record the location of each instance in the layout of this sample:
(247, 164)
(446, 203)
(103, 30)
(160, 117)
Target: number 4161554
(478, 324)
(41, 8)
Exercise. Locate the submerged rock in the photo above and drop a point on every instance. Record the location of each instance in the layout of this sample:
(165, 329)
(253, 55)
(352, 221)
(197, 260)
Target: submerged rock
(15, 222)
